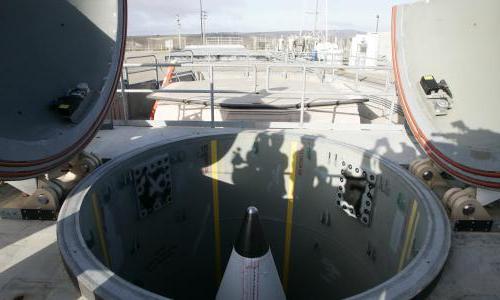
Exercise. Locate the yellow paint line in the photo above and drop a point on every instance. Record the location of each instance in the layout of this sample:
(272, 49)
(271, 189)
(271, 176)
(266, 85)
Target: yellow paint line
(100, 228)
(412, 237)
(409, 230)
(215, 199)
(289, 213)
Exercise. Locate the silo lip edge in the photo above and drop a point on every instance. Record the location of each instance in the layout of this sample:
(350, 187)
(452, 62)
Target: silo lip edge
(426, 266)
(438, 234)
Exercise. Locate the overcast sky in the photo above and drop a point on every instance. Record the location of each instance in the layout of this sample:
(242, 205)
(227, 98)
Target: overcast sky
(158, 16)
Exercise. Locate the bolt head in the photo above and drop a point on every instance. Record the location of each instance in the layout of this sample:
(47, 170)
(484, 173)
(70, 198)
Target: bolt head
(43, 199)
(85, 167)
(427, 175)
(468, 209)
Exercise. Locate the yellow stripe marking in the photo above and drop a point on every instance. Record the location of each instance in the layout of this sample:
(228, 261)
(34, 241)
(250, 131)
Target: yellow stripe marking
(100, 232)
(412, 237)
(409, 237)
(215, 198)
(289, 213)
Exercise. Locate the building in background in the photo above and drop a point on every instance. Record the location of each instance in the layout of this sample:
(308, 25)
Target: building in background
(371, 49)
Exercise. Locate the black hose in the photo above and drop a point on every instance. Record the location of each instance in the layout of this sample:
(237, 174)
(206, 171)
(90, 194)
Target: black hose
(336, 102)
(255, 106)
(250, 106)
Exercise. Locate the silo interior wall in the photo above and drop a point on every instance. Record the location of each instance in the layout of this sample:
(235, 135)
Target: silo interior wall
(173, 245)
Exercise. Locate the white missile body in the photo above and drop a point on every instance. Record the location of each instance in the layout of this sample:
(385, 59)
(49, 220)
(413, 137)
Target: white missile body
(251, 273)
(251, 278)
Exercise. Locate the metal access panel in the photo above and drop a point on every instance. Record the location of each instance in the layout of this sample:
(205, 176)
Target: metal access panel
(153, 185)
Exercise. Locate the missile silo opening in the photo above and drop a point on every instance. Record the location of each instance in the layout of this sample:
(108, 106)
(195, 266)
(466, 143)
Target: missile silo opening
(60, 64)
(340, 221)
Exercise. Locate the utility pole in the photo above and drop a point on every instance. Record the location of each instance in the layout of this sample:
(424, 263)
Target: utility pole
(326, 21)
(178, 19)
(303, 16)
(378, 18)
(201, 23)
(205, 17)
(316, 18)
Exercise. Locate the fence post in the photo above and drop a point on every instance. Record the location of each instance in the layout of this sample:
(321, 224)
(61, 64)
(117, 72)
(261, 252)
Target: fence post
(356, 85)
(387, 80)
(255, 79)
(157, 74)
(302, 104)
(268, 72)
(393, 107)
(212, 100)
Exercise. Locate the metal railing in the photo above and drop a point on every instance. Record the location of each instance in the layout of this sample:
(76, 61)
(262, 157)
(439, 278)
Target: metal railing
(190, 55)
(268, 67)
(208, 67)
(304, 92)
(152, 67)
(224, 40)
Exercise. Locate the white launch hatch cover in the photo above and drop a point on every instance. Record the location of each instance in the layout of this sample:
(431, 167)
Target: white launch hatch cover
(447, 68)
(60, 63)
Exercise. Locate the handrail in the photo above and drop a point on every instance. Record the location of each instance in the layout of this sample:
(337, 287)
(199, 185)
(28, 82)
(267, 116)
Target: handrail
(169, 57)
(154, 67)
(290, 65)
(304, 67)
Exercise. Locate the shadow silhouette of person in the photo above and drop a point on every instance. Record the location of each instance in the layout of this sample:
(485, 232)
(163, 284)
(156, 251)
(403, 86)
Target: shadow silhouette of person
(259, 175)
(323, 183)
(306, 164)
(384, 149)
(279, 163)
(484, 138)
(262, 171)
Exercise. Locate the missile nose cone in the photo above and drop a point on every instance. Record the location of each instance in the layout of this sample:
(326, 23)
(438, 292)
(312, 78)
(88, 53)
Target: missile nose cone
(252, 210)
(251, 242)
(251, 272)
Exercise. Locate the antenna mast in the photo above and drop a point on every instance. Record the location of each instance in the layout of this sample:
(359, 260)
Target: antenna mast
(303, 16)
(316, 18)
(201, 23)
(326, 21)
(205, 17)
(178, 19)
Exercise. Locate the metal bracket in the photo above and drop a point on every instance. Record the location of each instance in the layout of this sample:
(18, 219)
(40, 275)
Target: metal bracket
(153, 185)
(441, 103)
(355, 194)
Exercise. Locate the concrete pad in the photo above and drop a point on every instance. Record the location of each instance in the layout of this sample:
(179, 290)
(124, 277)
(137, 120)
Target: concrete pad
(473, 268)
(30, 264)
